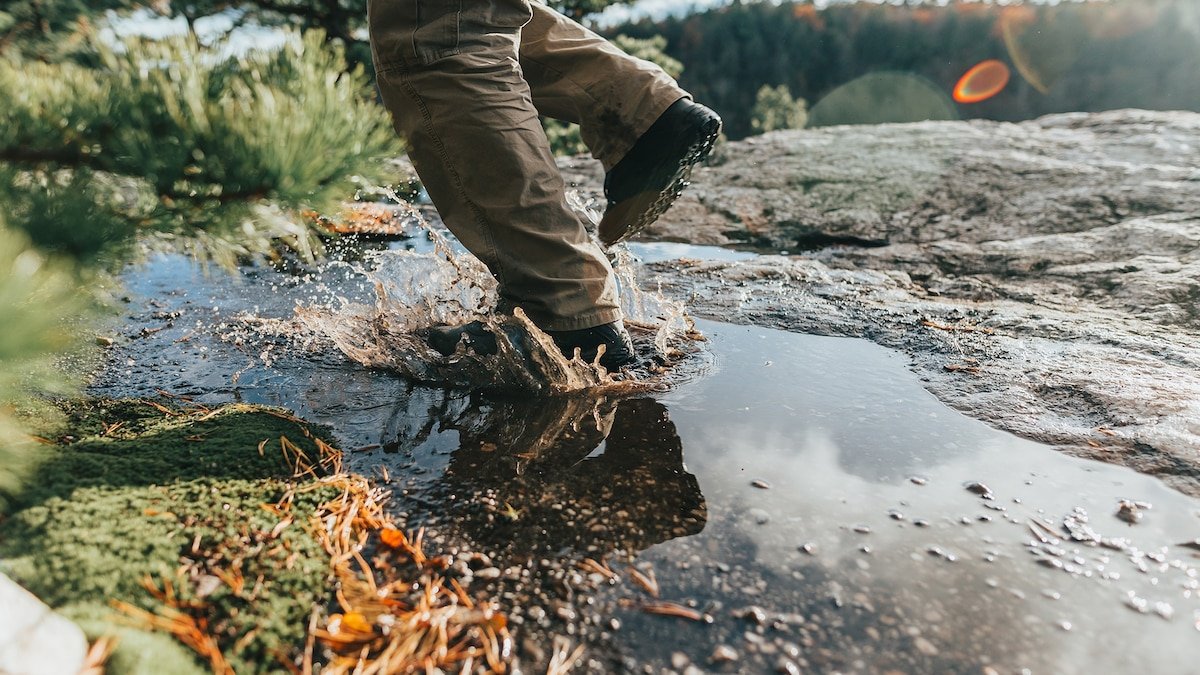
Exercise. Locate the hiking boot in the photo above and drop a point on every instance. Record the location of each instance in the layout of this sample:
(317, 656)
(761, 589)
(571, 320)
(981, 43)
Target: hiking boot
(475, 335)
(618, 348)
(656, 169)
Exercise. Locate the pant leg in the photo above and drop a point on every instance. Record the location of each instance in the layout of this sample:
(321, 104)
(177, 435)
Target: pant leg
(448, 72)
(578, 76)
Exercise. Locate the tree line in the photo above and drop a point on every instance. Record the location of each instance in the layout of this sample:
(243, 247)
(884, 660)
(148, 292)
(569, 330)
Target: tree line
(1086, 56)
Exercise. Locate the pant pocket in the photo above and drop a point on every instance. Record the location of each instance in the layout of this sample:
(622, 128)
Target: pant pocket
(492, 24)
(436, 35)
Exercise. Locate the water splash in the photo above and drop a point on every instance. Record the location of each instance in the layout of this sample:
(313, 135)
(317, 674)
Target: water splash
(416, 289)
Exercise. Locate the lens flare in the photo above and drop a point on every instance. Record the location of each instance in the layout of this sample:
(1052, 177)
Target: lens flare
(1044, 43)
(982, 81)
(883, 97)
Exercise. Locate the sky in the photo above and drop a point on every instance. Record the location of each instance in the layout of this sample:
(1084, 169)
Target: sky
(239, 38)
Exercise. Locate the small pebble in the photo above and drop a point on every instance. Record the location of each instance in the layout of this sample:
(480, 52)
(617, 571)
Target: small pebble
(980, 489)
(787, 666)
(925, 647)
(753, 613)
(1131, 511)
(488, 573)
(724, 654)
(761, 484)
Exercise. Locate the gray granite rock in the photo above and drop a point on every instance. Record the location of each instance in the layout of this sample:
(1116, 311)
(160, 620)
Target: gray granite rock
(1043, 276)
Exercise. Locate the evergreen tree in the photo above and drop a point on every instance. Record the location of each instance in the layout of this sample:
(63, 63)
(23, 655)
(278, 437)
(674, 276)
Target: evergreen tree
(1086, 56)
(168, 143)
(49, 29)
(218, 151)
(40, 307)
(774, 109)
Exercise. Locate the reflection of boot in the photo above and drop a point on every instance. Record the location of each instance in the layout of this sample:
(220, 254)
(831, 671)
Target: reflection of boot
(501, 437)
(537, 461)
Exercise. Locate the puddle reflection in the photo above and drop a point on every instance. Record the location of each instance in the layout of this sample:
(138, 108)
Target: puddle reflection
(578, 474)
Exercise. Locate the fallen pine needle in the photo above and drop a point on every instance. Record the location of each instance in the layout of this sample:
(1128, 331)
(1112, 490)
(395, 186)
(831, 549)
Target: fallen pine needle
(649, 583)
(564, 657)
(667, 608)
(97, 655)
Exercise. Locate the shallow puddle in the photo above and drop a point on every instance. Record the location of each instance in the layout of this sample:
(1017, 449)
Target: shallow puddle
(806, 502)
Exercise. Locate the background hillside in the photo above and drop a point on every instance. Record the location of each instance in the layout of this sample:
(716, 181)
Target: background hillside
(1087, 56)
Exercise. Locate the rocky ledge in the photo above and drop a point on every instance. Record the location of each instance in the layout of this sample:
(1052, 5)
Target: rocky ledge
(1043, 276)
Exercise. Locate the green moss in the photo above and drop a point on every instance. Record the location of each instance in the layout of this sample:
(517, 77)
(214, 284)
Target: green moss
(176, 498)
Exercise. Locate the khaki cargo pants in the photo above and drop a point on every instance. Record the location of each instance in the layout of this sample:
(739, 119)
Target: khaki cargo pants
(465, 81)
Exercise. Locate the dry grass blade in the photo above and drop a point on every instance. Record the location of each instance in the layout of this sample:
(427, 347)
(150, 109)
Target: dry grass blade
(191, 630)
(399, 614)
(564, 657)
(591, 565)
(666, 608)
(97, 656)
(648, 582)
(161, 408)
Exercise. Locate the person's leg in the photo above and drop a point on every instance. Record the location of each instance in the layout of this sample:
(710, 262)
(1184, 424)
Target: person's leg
(644, 129)
(577, 76)
(449, 74)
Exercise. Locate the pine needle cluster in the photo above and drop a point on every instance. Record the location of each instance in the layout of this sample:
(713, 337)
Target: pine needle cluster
(41, 308)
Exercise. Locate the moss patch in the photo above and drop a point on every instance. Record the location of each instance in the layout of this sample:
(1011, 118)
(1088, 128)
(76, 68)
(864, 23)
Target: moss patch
(184, 499)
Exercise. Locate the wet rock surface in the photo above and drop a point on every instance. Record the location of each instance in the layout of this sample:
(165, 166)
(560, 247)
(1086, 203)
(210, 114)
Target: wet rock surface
(539, 504)
(1043, 276)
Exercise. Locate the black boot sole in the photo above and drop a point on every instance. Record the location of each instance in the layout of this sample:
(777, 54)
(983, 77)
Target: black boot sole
(628, 217)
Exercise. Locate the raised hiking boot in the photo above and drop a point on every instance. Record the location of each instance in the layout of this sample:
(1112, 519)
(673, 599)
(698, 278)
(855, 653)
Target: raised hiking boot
(618, 348)
(644, 184)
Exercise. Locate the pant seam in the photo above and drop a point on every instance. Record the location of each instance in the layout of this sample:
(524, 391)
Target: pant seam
(573, 83)
(608, 165)
(427, 122)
